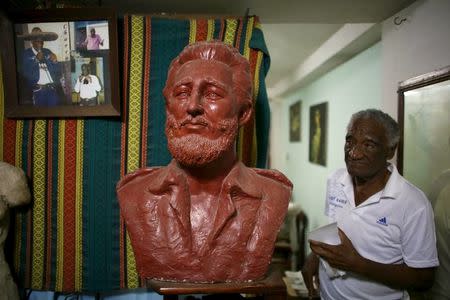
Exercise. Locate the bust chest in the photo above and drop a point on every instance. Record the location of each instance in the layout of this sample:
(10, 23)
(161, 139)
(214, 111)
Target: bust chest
(202, 212)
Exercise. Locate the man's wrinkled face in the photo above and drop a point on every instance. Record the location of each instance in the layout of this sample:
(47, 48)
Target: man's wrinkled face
(202, 112)
(366, 148)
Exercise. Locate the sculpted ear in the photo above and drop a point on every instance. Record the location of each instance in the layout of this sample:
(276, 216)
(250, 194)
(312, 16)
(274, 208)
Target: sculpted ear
(245, 112)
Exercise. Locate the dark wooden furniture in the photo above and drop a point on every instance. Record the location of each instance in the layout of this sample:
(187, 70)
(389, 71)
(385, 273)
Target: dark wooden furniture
(271, 288)
(285, 251)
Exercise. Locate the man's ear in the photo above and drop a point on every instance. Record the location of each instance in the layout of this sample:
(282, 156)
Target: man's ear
(391, 152)
(246, 112)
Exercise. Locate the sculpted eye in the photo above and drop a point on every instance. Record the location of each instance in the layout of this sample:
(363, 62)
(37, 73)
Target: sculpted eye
(181, 92)
(212, 95)
(182, 95)
(213, 92)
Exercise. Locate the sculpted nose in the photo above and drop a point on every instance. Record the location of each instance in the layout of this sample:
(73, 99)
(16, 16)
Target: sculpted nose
(195, 107)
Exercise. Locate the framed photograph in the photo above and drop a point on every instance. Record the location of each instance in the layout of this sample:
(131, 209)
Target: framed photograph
(318, 119)
(295, 122)
(60, 63)
(424, 117)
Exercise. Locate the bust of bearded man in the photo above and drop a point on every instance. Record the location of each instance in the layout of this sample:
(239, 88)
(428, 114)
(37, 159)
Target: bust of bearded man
(205, 217)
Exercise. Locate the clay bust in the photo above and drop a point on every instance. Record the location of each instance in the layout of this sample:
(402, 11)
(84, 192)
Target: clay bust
(206, 217)
(13, 191)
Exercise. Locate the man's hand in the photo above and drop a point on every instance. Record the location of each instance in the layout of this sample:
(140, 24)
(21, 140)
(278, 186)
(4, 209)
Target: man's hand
(343, 256)
(40, 56)
(310, 273)
(53, 57)
(399, 276)
(82, 79)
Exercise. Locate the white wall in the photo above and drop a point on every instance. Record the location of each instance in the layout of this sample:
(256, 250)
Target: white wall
(352, 86)
(417, 46)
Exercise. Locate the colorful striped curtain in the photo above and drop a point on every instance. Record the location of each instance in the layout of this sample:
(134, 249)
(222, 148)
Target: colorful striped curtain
(72, 238)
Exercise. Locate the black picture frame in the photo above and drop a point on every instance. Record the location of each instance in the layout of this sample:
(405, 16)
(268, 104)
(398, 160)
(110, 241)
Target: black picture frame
(43, 83)
(318, 131)
(295, 122)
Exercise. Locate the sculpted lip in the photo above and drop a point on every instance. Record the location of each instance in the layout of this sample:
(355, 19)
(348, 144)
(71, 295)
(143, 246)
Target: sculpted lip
(191, 126)
(194, 123)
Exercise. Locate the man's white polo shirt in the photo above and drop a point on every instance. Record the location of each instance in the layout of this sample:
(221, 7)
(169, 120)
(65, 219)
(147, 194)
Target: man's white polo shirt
(393, 226)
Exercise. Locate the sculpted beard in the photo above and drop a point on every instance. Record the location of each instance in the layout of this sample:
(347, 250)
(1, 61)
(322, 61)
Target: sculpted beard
(195, 150)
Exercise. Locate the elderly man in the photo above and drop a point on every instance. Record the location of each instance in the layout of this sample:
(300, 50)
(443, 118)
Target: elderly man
(205, 217)
(385, 223)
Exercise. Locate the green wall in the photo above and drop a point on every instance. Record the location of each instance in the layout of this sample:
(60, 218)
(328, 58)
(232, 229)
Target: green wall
(350, 87)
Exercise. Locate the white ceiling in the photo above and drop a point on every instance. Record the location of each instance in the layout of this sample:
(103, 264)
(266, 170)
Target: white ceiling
(293, 29)
(290, 44)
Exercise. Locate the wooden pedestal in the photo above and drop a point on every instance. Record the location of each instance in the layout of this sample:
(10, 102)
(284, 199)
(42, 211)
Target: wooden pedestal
(271, 288)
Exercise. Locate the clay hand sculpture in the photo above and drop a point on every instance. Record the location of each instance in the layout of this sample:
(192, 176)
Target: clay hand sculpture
(13, 191)
(205, 217)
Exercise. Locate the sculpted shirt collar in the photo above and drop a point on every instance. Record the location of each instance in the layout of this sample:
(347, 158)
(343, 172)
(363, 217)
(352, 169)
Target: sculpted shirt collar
(237, 184)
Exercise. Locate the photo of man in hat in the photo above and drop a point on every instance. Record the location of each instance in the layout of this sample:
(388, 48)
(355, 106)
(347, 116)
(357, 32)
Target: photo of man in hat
(41, 69)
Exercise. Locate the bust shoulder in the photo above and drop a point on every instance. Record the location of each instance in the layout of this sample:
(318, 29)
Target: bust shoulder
(275, 175)
(138, 176)
(262, 183)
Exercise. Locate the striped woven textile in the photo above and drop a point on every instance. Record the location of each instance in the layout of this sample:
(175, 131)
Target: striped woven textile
(72, 238)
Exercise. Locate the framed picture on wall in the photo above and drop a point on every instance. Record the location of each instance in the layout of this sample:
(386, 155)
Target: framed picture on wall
(424, 148)
(295, 122)
(60, 63)
(318, 119)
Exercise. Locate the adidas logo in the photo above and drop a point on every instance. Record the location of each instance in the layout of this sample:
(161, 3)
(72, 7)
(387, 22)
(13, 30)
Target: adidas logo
(382, 221)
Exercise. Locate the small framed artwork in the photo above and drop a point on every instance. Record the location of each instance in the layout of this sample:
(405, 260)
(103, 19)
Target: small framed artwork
(295, 122)
(60, 63)
(424, 147)
(318, 119)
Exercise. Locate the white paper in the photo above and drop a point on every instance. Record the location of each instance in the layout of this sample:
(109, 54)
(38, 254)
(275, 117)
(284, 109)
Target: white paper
(327, 234)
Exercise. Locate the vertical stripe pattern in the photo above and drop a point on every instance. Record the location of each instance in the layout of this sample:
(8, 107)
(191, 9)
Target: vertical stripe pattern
(39, 165)
(60, 209)
(71, 238)
(78, 266)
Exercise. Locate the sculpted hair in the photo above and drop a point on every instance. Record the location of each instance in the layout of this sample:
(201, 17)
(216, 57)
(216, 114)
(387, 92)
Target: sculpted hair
(217, 51)
(390, 125)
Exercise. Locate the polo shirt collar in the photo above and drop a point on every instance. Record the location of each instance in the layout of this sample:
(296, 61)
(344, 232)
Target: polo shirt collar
(394, 184)
(391, 189)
